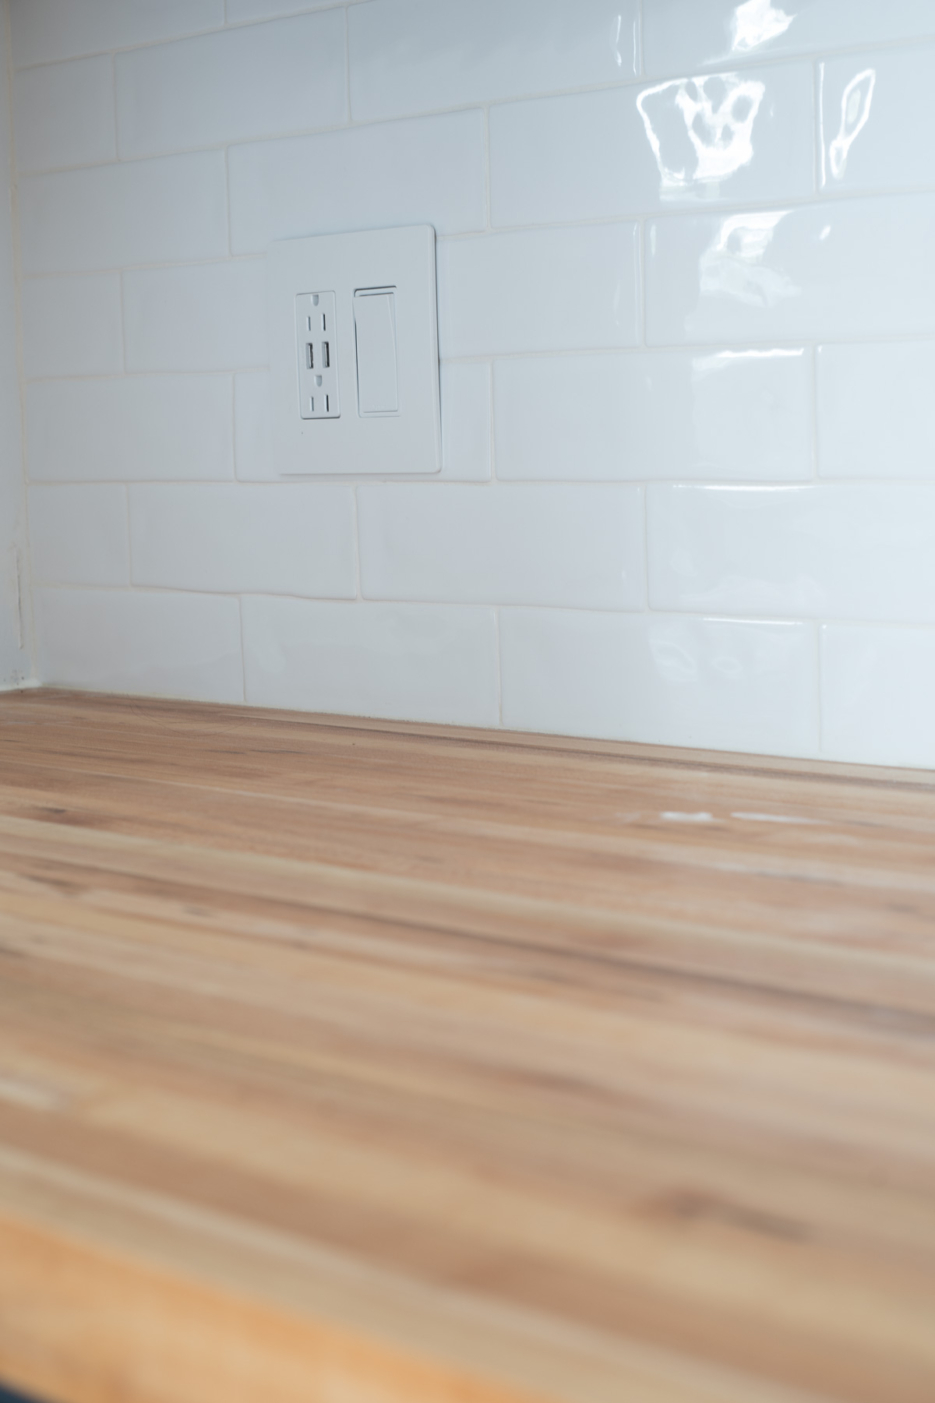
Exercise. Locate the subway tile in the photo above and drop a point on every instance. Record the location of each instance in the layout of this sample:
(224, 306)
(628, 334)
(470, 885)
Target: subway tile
(295, 538)
(877, 117)
(78, 535)
(112, 640)
(876, 412)
(416, 662)
(465, 411)
(877, 686)
(661, 680)
(261, 80)
(835, 269)
(680, 34)
(44, 30)
(427, 171)
(743, 136)
(565, 545)
(740, 415)
(158, 211)
(133, 428)
(64, 114)
(71, 326)
(417, 55)
(861, 551)
(211, 316)
(541, 290)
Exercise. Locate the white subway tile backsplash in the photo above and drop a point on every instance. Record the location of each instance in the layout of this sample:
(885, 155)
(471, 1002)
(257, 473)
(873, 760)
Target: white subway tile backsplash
(117, 640)
(211, 316)
(260, 80)
(877, 116)
(43, 30)
(542, 290)
(134, 428)
(71, 326)
(730, 137)
(876, 410)
(845, 551)
(289, 539)
(740, 415)
(166, 210)
(465, 410)
(877, 686)
(680, 34)
(64, 114)
(427, 171)
(424, 662)
(563, 545)
(416, 55)
(79, 536)
(663, 681)
(836, 269)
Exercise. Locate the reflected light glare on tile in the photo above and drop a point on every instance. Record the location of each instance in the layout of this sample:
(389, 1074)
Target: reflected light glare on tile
(756, 22)
(855, 112)
(733, 263)
(718, 115)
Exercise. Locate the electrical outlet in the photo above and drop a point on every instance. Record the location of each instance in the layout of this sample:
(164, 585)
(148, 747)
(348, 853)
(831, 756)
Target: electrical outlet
(317, 355)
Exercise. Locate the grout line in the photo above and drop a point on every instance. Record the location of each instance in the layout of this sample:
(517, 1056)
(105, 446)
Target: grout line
(641, 280)
(487, 198)
(113, 88)
(639, 44)
(235, 457)
(347, 70)
(644, 489)
(819, 669)
(813, 414)
(227, 202)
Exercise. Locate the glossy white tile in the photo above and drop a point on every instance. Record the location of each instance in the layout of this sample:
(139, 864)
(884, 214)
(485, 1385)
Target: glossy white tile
(741, 136)
(78, 535)
(861, 551)
(260, 80)
(64, 114)
(877, 686)
(877, 116)
(134, 428)
(161, 211)
(423, 662)
(542, 290)
(835, 269)
(148, 644)
(71, 326)
(661, 680)
(576, 546)
(43, 30)
(876, 411)
(210, 316)
(297, 538)
(740, 415)
(411, 56)
(679, 34)
(428, 171)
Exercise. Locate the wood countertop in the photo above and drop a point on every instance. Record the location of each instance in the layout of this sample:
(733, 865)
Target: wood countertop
(349, 1062)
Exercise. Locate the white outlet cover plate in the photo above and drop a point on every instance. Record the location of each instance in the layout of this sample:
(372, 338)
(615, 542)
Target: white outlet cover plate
(408, 441)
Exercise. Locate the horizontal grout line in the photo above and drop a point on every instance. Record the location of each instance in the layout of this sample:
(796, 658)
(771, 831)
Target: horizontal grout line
(574, 611)
(438, 480)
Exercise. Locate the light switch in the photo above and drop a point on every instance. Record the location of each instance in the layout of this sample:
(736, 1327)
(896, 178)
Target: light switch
(375, 326)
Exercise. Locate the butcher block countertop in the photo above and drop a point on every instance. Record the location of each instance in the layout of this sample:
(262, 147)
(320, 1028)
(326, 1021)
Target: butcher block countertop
(360, 1062)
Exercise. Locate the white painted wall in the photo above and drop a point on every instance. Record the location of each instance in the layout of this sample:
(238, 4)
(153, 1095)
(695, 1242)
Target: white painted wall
(15, 663)
(687, 322)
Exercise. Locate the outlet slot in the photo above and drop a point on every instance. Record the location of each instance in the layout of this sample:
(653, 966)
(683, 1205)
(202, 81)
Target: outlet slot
(316, 358)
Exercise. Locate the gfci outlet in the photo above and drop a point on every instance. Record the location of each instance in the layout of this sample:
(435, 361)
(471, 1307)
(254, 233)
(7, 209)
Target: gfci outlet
(354, 353)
